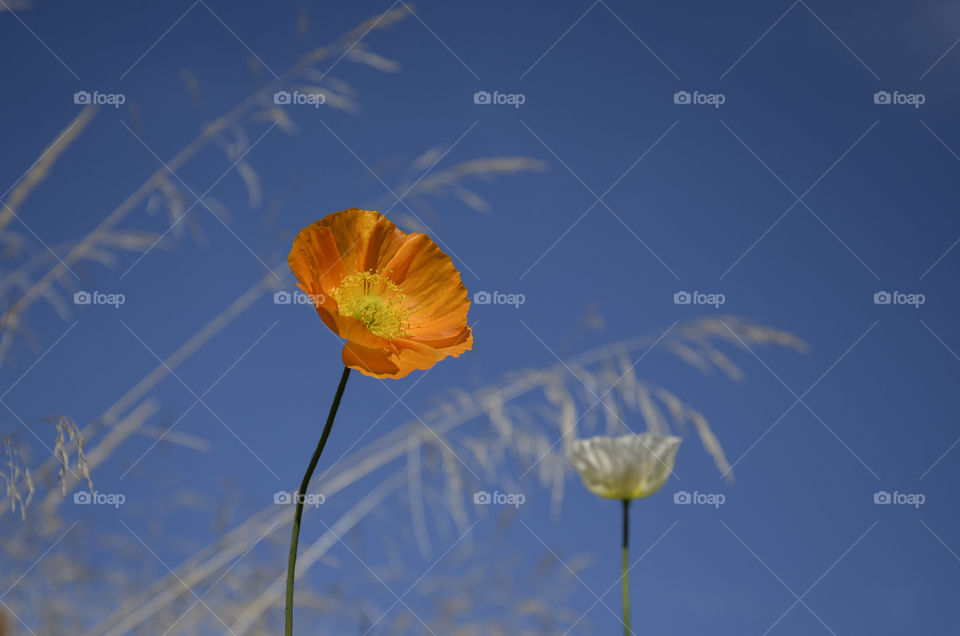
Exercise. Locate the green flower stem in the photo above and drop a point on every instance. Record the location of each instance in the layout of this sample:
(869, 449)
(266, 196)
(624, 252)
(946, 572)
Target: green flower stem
(295, 538)
(624, 565)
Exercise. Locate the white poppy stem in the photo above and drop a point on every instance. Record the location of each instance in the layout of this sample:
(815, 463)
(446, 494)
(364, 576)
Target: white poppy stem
(624, 565)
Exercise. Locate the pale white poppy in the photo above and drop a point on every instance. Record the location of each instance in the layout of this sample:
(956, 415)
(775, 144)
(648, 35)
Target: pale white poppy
(626, 467)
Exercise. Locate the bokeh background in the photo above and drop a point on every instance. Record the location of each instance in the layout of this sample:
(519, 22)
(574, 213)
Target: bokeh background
(798, 198)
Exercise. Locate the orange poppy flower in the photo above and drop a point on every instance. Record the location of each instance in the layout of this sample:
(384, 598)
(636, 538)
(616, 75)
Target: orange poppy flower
(395, 297)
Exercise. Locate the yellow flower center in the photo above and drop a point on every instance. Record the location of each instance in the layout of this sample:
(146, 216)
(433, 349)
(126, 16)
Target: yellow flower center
(376, 301)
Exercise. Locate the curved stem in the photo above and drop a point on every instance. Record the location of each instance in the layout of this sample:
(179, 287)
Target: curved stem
(295, 537)
(624, 565)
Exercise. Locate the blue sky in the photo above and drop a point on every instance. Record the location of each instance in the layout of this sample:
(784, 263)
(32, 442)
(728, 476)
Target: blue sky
(798, 198)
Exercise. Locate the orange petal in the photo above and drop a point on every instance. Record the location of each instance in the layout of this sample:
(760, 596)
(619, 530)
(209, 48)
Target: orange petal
(435, 294)
(316, 260)
(327, 309)
(363, 238)
(413, 354)
(370, 361)
(353, 330)
(399, 262)
(382, 242)
(454, 345)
